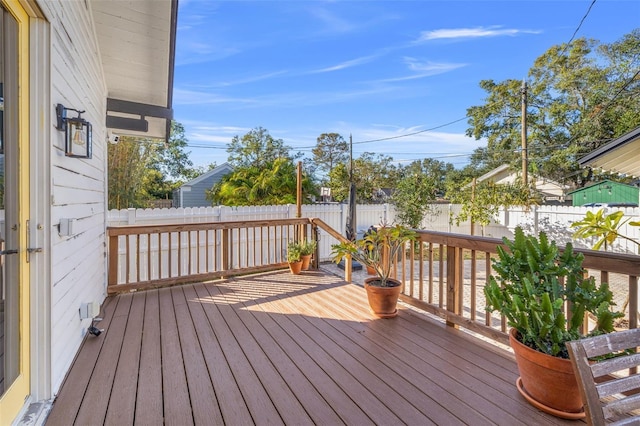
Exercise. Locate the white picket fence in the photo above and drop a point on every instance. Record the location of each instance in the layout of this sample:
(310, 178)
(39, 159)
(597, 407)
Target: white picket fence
(554, 220)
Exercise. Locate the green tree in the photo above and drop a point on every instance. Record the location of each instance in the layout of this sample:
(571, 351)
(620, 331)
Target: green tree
(156, 187)
(481, 202)
(420, 184)
(264, 173)
(339, 182)
(257, 148)
(579, 97)
(371, 174)
(143, 169)
(128, 162)
(171, 159)
(331, 149)
(274, 184)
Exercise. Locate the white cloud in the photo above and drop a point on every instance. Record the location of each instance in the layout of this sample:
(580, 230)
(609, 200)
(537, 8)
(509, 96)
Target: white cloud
(194, 97)
(247, 79)
(333, 23)
(346, 64)
(274, 100)
(424, 69)
(477, 32)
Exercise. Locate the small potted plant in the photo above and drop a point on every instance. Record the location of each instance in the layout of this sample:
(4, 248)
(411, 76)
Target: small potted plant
(532, 285)
(308, 247)
(375, 250)
(294, 257)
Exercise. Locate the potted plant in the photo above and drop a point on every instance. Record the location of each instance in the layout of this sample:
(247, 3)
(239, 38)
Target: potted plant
(308, 247)
(375, 250)
(532, 285)
(294, 257)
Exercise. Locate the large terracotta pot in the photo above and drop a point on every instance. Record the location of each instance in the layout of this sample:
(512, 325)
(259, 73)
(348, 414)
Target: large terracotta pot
(547, 379)
(383, 300)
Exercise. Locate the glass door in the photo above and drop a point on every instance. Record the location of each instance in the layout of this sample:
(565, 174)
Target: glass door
(14, 335)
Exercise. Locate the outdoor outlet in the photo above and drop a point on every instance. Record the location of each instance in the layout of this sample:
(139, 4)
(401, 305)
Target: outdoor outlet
(89, 310)
(66, 227)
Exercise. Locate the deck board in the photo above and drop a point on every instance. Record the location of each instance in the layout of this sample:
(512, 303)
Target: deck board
(176, 398)
(257, 401)
(121, 409)
(275, 348)
(149, 407)
(201, 392)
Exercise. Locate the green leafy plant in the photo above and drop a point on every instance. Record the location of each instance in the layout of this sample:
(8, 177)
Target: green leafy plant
(606, 228)
(533, 283)
(376, 249)
(294, 252)
(308, 247)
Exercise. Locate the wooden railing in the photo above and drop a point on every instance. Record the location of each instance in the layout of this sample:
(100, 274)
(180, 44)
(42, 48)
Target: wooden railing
(151, 256)
(443, 274)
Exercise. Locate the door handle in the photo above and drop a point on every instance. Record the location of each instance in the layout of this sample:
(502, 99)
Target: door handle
(3, 252)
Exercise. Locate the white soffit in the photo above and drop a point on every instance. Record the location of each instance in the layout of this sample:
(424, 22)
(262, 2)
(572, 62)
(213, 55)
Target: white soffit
(137, 47)
(620, 156)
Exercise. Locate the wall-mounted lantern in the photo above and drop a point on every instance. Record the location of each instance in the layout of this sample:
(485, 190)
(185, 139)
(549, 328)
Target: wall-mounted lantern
(77, 133)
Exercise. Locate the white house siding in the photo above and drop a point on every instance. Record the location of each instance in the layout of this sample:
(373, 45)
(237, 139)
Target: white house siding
(78, 186)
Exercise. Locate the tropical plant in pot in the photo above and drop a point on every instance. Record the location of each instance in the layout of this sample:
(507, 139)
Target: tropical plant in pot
(294, 257)
(533, 283)
(375, 250)
(307, 248)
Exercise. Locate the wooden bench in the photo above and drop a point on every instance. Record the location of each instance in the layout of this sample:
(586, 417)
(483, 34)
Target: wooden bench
(609, 385)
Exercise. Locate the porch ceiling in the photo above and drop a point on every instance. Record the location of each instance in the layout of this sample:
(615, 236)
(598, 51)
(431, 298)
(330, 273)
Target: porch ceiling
(621, 155)
(137, 47)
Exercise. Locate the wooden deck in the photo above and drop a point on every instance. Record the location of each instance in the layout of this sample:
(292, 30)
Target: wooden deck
(281, 349)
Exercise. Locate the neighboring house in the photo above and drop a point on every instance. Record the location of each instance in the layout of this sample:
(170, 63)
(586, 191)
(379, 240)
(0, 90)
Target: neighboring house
(551, 192)
(113, 61)
(193, 193)
(605, 192)
(622, 155)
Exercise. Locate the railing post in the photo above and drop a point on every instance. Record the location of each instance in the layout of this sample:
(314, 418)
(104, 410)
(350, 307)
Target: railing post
(131, 216)
(226, 257)
(454, 281)
(633, 301)
(348, 266)
(112, 279)
(315, 236)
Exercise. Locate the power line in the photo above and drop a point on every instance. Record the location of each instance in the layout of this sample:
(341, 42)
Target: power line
(578, 28)
(412, 134)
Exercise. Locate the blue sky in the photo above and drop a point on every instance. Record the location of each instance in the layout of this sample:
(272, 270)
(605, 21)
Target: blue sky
(373, 69)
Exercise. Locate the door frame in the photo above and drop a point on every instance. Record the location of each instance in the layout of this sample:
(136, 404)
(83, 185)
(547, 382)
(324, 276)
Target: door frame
(13, 400)
(39, 234)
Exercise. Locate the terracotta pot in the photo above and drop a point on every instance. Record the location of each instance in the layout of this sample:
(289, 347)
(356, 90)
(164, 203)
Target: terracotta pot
(383, 300)
(295, 267)
(547, 379)
(306, 261)
(371, 270)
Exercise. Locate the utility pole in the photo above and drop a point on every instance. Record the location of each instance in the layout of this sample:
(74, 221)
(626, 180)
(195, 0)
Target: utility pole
(525, 160)
(350, 158)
